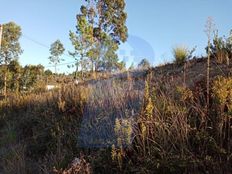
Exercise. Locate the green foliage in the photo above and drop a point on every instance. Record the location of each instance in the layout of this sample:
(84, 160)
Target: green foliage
(100, 29)
(56, 50)
(48, 72)
(15, 71)
(10, 47)
(81, 41)
(20, 78)
(31, 74)
(108, 60)
(113, 19)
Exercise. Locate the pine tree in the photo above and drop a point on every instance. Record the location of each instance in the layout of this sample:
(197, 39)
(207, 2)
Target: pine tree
(56, 50)
(100, 29)
(10, 47)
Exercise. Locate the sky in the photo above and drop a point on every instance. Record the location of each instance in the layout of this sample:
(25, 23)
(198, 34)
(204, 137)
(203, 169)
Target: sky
(154, 27)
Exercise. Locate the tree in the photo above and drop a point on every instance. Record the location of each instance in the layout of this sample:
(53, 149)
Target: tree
(15, 71)
(81, 40)
(47, 72)
(31, 75)
(110, 30)
(100, 29)
(111, 20)
(10, 47)
(108, 59)
(144, 64)
(56, 50)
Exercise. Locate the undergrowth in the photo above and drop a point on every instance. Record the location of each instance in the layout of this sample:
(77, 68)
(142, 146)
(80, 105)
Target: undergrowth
(114, 126)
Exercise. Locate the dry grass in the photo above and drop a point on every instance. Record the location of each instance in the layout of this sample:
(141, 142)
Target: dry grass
(121, 125)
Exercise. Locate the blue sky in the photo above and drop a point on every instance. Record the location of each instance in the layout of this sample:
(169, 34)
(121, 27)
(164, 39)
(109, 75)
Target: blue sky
(155, 26)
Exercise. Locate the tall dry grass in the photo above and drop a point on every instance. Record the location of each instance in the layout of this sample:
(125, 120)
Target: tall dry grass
(121, 126)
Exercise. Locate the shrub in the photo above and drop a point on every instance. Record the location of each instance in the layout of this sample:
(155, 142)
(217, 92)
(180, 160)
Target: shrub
(180, 54)
(221, 48)
(223, 92)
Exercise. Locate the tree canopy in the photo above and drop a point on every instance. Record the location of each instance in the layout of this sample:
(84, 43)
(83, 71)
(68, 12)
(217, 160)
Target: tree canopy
(10, 46)
(101, 27)
(56, 50)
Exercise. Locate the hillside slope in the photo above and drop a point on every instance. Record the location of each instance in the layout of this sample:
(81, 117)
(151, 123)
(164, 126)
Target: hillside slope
(143, 121)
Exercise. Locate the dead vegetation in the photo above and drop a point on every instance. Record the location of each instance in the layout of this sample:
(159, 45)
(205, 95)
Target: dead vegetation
(138, 122)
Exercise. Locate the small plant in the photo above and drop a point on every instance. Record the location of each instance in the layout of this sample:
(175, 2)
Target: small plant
(223, 93)
(180, 53)
(123, 131)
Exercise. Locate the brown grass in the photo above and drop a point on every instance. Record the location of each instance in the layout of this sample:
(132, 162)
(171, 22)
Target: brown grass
(122, 125)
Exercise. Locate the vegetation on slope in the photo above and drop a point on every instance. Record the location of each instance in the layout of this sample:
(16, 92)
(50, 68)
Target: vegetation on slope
(176, 118)
(145, 125)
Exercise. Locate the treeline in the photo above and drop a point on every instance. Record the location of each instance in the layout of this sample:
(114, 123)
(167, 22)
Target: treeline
(100, 28)
(25, 78)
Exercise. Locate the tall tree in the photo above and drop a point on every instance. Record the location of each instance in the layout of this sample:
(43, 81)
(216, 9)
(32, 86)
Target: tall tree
(82, 41)
(112, 19)
(110, 29)
(104, 22)
(56, 50)
(10, 47)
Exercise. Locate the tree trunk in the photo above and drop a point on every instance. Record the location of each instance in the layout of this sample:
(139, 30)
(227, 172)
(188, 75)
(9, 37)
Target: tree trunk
(55, 68)
(17, 86)
(81, 63)
(93, 69)
(227, 59)
(75, 76)
(5, 81)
